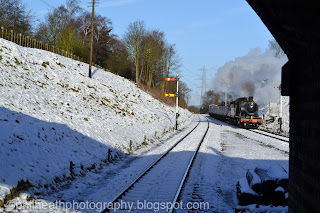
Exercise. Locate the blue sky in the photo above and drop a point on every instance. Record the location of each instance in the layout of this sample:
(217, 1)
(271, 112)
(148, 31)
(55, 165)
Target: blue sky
(206, 32)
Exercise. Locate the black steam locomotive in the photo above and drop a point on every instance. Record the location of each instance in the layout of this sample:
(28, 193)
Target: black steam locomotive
(242, 112)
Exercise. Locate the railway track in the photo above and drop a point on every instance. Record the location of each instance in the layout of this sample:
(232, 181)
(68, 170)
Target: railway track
(274, 133)
(271, 135)
(265, 133)
(159, 186)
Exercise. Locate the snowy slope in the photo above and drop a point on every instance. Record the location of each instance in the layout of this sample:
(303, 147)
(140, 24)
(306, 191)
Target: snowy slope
(51, 113)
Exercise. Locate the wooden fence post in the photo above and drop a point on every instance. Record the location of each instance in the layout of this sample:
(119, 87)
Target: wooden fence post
(2, 31)
(20, 39)
(130, 146)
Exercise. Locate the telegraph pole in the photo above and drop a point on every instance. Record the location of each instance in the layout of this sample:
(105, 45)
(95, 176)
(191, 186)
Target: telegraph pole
(91, 40)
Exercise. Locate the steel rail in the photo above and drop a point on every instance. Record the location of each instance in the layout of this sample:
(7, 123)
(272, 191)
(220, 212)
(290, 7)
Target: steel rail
(274, 133)
(268, 135)
(188, 169)
(119, 195)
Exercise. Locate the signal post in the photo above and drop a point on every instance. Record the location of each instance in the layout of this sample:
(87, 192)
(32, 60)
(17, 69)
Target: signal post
(175, 95)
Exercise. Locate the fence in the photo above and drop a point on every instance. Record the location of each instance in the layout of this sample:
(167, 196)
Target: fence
(27, 41)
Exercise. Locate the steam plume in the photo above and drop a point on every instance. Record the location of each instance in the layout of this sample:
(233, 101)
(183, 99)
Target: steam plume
(254, 74)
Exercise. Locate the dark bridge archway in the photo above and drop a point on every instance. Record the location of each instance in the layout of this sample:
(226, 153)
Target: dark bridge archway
(295, 24)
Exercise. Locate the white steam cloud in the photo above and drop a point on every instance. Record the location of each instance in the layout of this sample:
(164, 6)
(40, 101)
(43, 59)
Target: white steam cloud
(254, 74)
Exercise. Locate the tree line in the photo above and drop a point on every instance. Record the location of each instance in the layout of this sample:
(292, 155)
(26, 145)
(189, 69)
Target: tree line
(142, 55)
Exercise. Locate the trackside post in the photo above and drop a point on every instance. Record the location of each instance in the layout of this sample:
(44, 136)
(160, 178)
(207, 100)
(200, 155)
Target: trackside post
(280, 109)
(175, 95)
(177, 101)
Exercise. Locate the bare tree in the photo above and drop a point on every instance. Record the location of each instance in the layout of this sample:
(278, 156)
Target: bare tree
(85, 25)
(274, 45)
(153, 46)
(170, 63)
(132, 39)
(59, 25)
(212, 97)
(102, 36)
(184, 90)
(15, 16)
(118, 62)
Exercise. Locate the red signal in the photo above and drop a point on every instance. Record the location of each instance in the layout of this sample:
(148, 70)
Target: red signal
(170, 79)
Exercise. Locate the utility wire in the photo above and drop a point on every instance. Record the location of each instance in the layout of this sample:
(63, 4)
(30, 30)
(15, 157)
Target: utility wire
(190, 71)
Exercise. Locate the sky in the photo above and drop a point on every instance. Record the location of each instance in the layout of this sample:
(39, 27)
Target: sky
(207, 33)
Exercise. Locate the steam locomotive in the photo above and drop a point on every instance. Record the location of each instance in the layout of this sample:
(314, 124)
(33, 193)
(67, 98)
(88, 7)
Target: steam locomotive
(242, 112)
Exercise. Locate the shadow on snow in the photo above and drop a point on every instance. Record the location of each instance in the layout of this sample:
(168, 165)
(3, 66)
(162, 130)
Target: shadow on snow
(41, 152)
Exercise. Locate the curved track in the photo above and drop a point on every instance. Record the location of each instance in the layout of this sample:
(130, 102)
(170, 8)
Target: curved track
(161, 183)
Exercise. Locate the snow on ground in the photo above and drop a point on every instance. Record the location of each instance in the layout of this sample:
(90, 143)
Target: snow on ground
(227, 153)
(101, 186)
(51, 113)
(92, 191)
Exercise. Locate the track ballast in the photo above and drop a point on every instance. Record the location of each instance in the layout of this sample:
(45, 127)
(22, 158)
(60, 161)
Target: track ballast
(159, 186)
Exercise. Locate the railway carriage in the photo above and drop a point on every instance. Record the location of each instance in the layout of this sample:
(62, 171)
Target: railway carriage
(242, 112)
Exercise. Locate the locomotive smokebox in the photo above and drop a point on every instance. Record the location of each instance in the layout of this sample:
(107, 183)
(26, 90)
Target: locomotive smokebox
(251, 108)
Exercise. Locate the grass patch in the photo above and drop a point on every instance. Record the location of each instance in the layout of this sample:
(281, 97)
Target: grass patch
(16, 61)
(45, 64)
(15, 191)
(75, 90)
(91, 87)
(59, 64)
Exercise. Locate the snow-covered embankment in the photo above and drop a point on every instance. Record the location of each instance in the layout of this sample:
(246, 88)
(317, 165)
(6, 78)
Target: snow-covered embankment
(51, 113)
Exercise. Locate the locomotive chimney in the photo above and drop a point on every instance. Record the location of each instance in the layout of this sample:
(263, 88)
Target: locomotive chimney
(251, 98)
